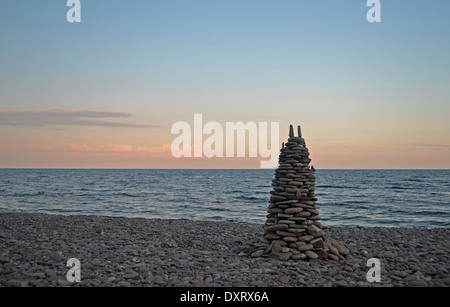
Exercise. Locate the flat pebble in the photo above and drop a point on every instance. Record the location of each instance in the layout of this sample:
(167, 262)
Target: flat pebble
(137, 252)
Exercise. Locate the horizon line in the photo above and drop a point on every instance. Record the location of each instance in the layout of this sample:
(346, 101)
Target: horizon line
(86, 168)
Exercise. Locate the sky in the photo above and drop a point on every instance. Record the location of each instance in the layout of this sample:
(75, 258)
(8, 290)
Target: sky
(105, 92)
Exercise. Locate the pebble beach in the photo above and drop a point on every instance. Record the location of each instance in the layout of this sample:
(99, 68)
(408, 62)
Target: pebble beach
(138, 252)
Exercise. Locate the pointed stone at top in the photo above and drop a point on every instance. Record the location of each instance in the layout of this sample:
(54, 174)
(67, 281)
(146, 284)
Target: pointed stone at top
(291, 131)
(298, 139)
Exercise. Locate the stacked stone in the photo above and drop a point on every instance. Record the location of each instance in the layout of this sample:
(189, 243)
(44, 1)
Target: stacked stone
(292, 228)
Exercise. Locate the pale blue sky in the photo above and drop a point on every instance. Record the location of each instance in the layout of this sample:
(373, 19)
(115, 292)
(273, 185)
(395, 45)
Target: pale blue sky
(219, 48)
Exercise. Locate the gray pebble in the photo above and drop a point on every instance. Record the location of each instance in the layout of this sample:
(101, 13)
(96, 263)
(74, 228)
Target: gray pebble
(156, 252)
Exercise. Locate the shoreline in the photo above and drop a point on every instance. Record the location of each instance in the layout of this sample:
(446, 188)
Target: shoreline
(123, 251)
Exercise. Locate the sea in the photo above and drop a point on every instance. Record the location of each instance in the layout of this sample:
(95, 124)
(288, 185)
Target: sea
(388, 198)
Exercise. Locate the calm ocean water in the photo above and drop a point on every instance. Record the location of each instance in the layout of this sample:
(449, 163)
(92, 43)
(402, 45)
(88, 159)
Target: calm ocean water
(403, 198)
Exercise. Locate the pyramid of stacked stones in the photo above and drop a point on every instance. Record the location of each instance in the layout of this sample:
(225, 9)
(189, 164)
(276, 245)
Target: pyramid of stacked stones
(292, 228)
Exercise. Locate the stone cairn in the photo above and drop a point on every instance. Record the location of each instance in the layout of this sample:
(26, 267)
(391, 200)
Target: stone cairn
(292, 228)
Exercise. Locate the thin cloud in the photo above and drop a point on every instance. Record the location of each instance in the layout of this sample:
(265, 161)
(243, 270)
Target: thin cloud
(66, 118)
(96, 147)
(437, 146)
(156, 151)
(107, 148)
(325, 140)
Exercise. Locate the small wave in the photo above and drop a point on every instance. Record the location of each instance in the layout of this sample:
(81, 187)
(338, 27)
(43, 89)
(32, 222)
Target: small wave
(216, 217)
(216, 201)
(436, 224)
(230, 220)
(128, 194)
(413, 180)
(353, 217)
(394, 187)
(347, 204)
(266, 192)
(327, 186)
(216, 209)
(40, 193)
(427, 213)
(250, 198)
(355, 202)
(437, 193)
(263, 186)
(335, 187)
(233, 191)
